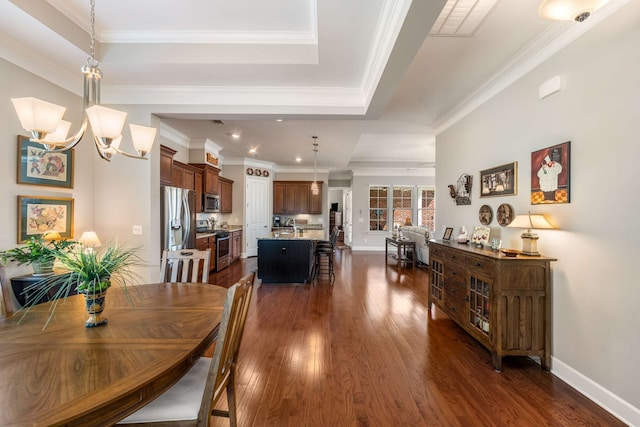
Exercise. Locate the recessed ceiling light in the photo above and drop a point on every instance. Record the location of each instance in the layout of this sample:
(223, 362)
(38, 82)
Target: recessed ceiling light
(253, 151)
(278, 120)
(235, 135)
(298, 159)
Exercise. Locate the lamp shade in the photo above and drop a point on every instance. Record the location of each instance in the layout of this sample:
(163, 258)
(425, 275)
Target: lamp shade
(89, 239)
(569, 10)
(106, 122)
(59, 134)
(142, 137)
(51, 235)
(531, 221)
(38, 115)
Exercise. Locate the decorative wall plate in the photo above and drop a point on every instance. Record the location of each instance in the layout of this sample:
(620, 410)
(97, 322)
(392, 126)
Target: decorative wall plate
(265, 173)
(485, 214)
(258, 172)
(249, 171)
(505, 214)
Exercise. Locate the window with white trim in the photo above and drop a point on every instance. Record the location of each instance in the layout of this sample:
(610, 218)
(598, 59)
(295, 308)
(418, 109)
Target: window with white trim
(401, 204)
(378, 207)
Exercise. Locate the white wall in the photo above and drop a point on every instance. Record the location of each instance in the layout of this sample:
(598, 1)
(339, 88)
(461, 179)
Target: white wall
(595, 282)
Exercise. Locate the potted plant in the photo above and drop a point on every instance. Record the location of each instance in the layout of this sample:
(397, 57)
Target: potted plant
(40, 251)
(91, 273)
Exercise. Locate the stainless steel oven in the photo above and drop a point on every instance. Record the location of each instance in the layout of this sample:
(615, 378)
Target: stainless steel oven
(223, 245)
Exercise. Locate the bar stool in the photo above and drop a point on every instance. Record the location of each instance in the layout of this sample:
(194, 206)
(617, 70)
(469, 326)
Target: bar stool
(323, 262)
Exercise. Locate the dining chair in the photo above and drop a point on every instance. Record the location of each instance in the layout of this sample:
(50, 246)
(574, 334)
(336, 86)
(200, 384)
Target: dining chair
(185, 265)
(190, 401)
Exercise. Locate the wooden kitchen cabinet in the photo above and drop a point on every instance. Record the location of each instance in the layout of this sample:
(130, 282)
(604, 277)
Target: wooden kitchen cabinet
(183, 176)
(226, 195)
(236, 245)
(210, 178)
(166, 162)
(204, 243)
(295, 197)
(503, 302)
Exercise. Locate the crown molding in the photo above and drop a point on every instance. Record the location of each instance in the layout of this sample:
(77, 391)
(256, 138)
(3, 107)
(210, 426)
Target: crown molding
(394, 172)
(174, 135)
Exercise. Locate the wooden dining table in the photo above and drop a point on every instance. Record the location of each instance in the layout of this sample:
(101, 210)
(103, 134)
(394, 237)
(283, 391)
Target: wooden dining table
(67, 374)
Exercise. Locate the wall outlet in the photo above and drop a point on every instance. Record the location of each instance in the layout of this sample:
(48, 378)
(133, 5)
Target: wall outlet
(360, 219)
(137, 230)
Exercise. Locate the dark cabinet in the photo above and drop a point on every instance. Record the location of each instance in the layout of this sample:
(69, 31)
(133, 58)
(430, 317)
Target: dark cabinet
(25, 289)
(210, 178)
(285, 261)
(295, 197)
(166, 162)
(503, 302)
(226, 195)
(236, 245)
(204, 243)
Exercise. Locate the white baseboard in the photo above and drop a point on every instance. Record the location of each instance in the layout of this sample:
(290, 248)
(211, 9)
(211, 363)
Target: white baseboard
(612, 403)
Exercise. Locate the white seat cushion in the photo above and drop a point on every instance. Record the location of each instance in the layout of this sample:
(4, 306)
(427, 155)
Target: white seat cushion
(180, 402)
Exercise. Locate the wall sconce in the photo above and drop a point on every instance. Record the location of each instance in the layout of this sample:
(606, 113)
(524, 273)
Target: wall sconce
(89, 240)
(531, 222)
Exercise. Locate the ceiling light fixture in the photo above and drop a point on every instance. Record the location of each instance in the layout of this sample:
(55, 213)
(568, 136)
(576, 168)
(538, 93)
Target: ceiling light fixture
(235, 135)
(43, 120)
(314, 185)
(567, 10)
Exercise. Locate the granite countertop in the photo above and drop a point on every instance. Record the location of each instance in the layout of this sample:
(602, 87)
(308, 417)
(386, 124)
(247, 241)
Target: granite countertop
(230, 228)
(289, 235)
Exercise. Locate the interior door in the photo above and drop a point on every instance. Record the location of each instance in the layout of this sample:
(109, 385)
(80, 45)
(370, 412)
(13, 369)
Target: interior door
(257, 212)
(346, 219)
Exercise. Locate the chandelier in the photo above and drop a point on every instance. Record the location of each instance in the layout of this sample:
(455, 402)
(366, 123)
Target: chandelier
(43, 120)
(314, 185)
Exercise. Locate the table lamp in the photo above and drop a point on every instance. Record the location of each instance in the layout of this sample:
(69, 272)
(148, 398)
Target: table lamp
(89, 240)
(531, 222)
(51, 235)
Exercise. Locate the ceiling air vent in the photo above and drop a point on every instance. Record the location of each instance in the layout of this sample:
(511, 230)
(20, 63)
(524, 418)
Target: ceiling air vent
(217, 122)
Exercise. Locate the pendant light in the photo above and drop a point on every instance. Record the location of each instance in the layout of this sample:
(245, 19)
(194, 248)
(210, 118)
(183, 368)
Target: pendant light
(314, 187)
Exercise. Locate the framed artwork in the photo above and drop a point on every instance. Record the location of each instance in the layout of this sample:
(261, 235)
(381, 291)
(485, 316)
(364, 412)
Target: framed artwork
(499, 181)
(505, 214)
(480, 235)
(447, 233)
(37, 166)
(37, 215)
(550, 169)
(485, 214)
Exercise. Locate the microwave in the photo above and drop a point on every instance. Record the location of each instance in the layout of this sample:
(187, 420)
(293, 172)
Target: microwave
(210, 203)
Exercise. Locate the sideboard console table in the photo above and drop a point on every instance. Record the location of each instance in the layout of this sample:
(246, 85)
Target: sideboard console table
(25, 288)
(503, 302)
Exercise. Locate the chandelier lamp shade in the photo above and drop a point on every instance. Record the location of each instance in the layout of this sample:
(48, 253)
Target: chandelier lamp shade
(44, 120)
(314, 186)
(569, 10)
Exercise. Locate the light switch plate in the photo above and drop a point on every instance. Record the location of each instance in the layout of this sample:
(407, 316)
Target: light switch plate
(137, 230)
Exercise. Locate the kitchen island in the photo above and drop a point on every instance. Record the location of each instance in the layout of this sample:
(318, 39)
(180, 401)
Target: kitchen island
(287, 257)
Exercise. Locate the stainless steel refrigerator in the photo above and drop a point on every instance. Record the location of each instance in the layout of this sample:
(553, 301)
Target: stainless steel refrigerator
(178, 218)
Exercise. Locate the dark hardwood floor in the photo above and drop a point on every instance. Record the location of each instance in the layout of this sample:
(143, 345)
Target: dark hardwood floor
(367, 352)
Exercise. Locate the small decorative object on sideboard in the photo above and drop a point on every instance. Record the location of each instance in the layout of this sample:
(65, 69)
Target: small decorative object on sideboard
(480, 236)
(495, 244)
(510, 252)
(463, 237)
